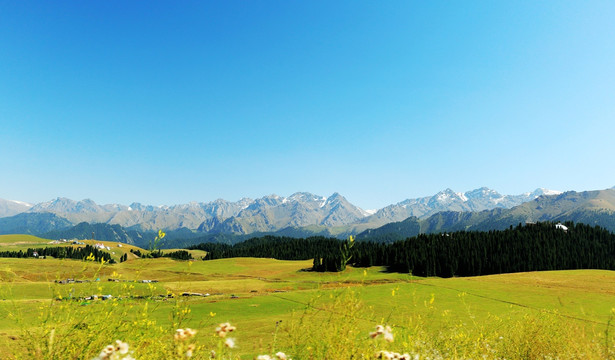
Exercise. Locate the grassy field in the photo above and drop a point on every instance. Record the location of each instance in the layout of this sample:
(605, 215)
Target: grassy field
(197, 254)
(21, 242)
(255, 294)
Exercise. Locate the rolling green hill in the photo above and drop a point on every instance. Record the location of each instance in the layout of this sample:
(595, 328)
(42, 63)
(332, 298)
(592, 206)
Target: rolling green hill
(275, 304)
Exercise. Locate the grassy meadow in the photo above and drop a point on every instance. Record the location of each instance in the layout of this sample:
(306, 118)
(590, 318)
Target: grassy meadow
(280, 306)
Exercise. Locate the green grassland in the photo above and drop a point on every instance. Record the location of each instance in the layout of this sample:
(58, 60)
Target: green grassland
(254, 294)
(197, 254)
(21, 242)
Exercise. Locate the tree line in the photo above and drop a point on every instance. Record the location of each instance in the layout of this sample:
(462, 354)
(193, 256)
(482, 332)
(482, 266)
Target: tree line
(178, 255)
(530, 247)
(269, 246)
(61, 252)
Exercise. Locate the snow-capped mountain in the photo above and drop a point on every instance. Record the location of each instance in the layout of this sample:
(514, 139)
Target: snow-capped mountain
(449, 200)
(274, 212)
(12, 207)
(595, 207)
(269, 213)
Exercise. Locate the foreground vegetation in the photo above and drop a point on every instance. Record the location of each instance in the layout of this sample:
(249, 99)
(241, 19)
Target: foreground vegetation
(276, 306)
(148, 306)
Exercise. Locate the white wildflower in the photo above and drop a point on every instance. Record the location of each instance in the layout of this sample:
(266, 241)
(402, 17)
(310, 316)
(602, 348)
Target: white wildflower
(180, 334)
(121, 347)
(191, 348)
(384, 355)
(224, 329)
(106, 352)
(230, 343)
(388, 336)
(379, 330)
(385, 331)
(281, 356)
(115, 352)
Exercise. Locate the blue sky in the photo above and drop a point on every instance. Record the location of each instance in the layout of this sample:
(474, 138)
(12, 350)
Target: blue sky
(167, 102)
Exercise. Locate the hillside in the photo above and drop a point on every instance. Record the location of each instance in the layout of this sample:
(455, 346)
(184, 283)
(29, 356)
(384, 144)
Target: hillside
(21, 242)
(119, 234)
(33, 223)
(589, 207)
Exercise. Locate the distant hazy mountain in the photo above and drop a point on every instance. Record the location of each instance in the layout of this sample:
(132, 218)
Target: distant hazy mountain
(144, 217)
(270, 213)
(300, 213)
(448, 200)
(589, 207)
(12, 207)
(305, 214)
(83, 231)
(32, 223)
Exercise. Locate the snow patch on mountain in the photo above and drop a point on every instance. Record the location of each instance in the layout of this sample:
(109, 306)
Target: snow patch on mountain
(22, 203)
(272, 212)
(550, 192)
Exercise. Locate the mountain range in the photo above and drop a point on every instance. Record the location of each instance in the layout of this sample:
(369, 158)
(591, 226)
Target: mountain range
(303, 215)
(589, 207)
(333, 215)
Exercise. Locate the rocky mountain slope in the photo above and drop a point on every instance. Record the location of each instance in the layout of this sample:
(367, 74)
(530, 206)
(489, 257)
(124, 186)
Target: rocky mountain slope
(589, 207)
(448, 200)
(301, 212)
(12, 207)
(269, 213)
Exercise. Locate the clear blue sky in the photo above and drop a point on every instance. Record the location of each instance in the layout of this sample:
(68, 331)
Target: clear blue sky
(170, 102)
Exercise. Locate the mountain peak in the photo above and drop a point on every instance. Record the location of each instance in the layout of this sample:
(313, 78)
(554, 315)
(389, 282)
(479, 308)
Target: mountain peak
(542, 191)
(485, 190)
(482, 193)
(271, 212)
(448, 195)
(306, 197)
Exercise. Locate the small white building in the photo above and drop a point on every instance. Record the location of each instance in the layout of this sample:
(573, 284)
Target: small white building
(561, 227)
